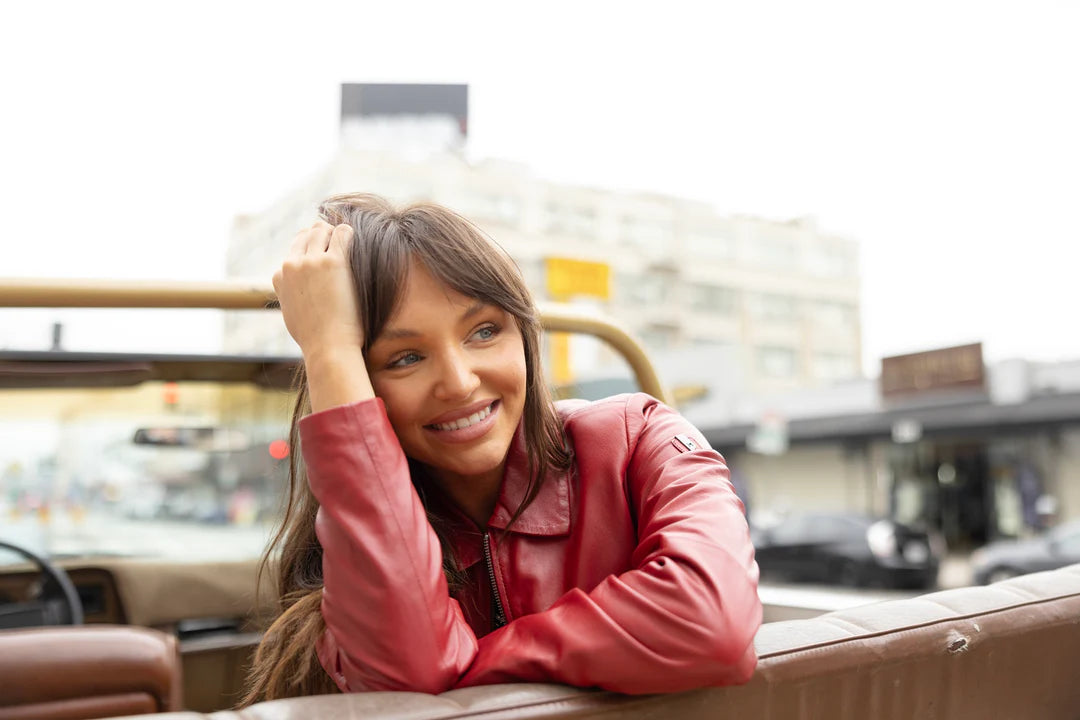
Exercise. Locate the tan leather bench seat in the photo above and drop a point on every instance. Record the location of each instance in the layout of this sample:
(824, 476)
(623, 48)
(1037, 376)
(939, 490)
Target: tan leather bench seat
(1009, 650)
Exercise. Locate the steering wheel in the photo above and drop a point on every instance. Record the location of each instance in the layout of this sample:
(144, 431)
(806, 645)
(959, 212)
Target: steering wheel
(56, 602)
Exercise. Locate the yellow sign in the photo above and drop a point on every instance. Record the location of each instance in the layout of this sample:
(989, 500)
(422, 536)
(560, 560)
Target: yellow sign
(567, 277)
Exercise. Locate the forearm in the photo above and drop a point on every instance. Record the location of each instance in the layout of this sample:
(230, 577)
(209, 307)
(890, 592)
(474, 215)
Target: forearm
(391, 624)
(318, 301)
(661, 628)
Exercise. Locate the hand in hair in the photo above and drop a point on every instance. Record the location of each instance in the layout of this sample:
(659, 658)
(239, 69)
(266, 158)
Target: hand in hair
(318, 303)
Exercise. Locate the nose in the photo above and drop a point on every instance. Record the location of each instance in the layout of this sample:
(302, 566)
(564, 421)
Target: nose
(457, 377)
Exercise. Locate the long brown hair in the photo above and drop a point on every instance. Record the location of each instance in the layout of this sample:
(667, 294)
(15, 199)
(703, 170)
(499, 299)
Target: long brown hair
(462, 257)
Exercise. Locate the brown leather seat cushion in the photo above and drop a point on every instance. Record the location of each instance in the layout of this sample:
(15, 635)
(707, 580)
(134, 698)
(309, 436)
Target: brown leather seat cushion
(1005, 651)
(87, 672)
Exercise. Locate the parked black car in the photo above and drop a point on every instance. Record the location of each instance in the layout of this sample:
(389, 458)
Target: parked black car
(845, 549)
(1008, 558)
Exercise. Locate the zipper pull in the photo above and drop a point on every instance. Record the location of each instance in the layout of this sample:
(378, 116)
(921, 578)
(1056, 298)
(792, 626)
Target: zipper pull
(498, 615)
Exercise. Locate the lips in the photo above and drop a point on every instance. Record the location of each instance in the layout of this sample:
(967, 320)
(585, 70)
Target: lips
(449, 418)
(459, 427)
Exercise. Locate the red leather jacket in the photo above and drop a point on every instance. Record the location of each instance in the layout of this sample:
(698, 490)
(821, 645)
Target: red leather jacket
(633, 572)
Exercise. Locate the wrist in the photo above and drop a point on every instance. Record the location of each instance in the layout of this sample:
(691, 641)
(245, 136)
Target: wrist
(327, 355)
(337, 376)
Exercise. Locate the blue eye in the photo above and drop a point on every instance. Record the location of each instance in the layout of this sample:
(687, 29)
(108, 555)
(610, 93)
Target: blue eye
(486, 333)
(405, 360)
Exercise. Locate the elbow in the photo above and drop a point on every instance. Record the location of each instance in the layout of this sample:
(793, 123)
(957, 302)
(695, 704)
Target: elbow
(735, 663)
(713, 653)
(433, 681)
(419, 678)
(732, 646)
(432, 678)
(424, 672)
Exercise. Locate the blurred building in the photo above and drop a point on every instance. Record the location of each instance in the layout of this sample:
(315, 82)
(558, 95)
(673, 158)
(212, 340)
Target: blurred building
(778, 300)
(976, 451)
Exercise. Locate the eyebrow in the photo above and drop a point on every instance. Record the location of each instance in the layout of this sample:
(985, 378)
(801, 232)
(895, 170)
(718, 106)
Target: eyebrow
(399, 333)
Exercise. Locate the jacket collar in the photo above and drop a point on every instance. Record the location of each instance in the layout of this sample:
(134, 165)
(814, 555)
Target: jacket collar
(548, 515)
(549, 512)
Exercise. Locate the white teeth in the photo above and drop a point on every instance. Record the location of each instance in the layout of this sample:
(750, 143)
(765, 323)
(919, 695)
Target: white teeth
(465, 422)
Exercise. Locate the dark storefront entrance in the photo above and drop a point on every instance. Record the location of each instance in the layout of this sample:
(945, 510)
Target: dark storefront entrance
(973, 491)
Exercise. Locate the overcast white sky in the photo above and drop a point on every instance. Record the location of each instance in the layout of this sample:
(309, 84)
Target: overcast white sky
(941, 135)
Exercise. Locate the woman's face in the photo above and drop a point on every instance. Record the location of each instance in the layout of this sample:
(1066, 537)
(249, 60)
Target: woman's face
(451, 372)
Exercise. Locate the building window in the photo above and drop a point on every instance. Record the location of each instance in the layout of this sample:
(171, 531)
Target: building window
(827, 261)
(532, 271)
(570, 219)
(649, 289)
(831, 313)
(834, 366)
(711, 298)
(712, 243)
(777, 362)
(773, 307)
(656, 337)
(503, 209)
(403, 189)
(645, 233)
(773, 249)
(711, 343)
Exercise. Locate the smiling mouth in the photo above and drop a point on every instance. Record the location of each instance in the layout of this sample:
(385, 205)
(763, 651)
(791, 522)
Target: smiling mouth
(462, 423)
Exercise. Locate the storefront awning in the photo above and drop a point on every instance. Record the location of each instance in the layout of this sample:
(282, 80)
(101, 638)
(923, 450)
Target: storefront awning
(940, 420)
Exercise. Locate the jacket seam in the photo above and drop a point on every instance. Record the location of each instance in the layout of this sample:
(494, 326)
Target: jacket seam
(631, 448)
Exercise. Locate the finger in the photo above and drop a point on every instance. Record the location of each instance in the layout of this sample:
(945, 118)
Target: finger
(318, 237)
(340, 239)
(299, 242)
(276, 282)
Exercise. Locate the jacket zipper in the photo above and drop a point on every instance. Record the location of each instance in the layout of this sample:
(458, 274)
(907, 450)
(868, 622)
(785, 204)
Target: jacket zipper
(498, 615)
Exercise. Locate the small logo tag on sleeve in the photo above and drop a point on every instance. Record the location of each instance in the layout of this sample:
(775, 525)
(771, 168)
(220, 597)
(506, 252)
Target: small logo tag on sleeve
(684, 443)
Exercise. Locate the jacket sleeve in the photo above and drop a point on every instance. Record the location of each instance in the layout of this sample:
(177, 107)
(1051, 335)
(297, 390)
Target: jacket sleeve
(684, 617)
(390, 622)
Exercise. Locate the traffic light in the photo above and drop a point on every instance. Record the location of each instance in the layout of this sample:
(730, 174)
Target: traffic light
(279, 449)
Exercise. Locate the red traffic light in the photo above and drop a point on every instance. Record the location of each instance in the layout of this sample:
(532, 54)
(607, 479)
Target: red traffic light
(279, 449)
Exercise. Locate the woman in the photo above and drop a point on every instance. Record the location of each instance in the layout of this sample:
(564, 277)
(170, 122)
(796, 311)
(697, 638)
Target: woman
(456, 527)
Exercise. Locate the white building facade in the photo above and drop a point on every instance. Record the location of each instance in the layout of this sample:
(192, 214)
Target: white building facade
(781, 298)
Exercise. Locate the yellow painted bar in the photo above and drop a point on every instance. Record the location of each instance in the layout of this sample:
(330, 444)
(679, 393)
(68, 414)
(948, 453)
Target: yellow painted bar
(60, 293)
(561, 372)
(235, 295)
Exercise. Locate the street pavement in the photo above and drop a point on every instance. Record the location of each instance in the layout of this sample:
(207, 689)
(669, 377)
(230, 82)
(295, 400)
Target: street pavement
(955, 571)
(793, 600)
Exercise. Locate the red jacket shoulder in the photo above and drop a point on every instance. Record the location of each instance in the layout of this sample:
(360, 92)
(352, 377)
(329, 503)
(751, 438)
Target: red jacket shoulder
(629, 415)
